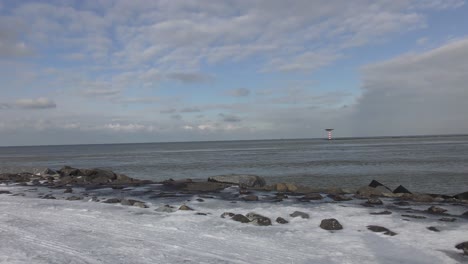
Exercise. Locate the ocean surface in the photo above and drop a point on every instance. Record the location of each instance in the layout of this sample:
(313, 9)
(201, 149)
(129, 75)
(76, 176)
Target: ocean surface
(437, 164)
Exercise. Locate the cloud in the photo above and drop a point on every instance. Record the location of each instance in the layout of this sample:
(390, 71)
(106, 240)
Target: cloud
(421, 93)
(186, 77)
(39, 103)
(168, 111)
(100, 92)
(240, 92)
(190, 110)
(138, 100)
(229, 118)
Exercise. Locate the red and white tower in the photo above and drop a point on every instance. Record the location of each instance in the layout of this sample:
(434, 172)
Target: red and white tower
(329, 132)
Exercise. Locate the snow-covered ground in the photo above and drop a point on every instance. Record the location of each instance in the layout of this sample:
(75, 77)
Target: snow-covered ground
(36, 230)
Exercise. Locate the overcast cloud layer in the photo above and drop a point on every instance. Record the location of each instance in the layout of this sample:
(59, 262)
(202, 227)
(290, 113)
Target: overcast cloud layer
(138, 71)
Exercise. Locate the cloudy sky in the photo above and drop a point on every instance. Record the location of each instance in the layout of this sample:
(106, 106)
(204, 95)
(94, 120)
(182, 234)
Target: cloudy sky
(104, 71)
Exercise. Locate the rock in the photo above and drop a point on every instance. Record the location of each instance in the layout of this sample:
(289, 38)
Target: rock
(448, 219)
(291, 187)
(74, 198)
(462, 196)
(465, 214)
(300, 214)
(241, 180)
(331, 224)
(463, 246)
(140, 204)
(250, 198)
(339, 197)
(68, 190)
(44, 172)
(401, 189)
(240, 218)
(281, 187)
(5, 192)
(402, 203)
(112, 200)
(380, 229)
(414, 216)
(201, 213)
(381, 213)
(281, 220)
(200, 200)
(422, 198)
(367, 192)
(204, 186)
(185, 208)
(375, 184)
(433, 228)
(258, 219)
(436, 210)
(69, 171)
(312, 196)
(22, 177)
(166, 209)
(227, 214)
(374, 201)
(48, 196)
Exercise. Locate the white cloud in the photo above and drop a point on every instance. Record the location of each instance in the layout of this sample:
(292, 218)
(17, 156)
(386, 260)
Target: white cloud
(100, 92)
(240, 92)
(39, 103)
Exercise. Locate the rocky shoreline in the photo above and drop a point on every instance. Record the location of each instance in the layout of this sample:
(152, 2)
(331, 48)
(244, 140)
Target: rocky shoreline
(99, 185)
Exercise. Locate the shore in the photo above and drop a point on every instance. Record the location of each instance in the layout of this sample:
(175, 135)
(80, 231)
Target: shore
(46, 221)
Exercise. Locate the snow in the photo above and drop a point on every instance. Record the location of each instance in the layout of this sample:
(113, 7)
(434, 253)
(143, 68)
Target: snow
(34, 230)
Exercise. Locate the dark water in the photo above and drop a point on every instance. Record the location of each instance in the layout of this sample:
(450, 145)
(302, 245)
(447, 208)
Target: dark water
(426, 164)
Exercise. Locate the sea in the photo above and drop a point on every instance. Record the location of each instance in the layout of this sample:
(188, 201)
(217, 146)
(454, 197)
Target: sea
(434, 164)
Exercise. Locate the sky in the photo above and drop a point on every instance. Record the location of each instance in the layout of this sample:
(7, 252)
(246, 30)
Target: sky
(120, 71)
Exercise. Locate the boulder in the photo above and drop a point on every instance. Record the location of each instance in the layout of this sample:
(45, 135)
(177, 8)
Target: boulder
(465, 214)
(374, 201)
(291, 187)
(401, 189)
(16, 177)
(5, 192)
(367, 192)
(68, 190)
(185, 208)
(69, 171)
(339, 197)
(44, 172)
(436, 210)
(140, 204)
(422, 198)
(281, 187)
(281, 220)
(331, 224)
(240, 218)
(414, 216)
(48, 196)
(250, 198)
(241, 180)
(112, 200)
(463, 246)
(258, 219)
(204, 186)
(462, 196)
(448, 219)
(227, 214)
(312, 196)
(433, 228)
(166, 209)
(380, 229)
(300, 214)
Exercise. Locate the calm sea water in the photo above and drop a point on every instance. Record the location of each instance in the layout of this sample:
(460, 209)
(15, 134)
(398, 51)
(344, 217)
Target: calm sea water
(426, 164)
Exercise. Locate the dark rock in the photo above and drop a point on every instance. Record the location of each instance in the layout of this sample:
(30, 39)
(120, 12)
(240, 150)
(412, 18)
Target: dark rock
(402, 203)
(401, 189)
(463, 246)
(367, 191)
(375, 184)
(374, 201)
(112, 200)
(281, 187)
(339, 197)
(448, 219)
(201, 214)
(244, 191)
(436, 210)
(465, 214)
(204, 186)
(166, 209)
(380, 229)
(433, 228)
(48, 196)
(414, 216)
(422, 198)
(200, 200)
(258, 219)
(140, 204)
(44, 172)
(250, 198)
(16, 177)
(300, 214)
(241, 180)
(5, 192)
(462, 196)
(68, 190)
(240, 218)
(331, 224)
(381, 213)
(227, 214)
(69, 171)
(185, 208)
(312, 196)
(281, 220)
(74, 198)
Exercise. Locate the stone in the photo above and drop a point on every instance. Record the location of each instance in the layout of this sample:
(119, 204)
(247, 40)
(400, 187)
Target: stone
(200, 200)
(240, 218)
(185, 208)
(48, 196)
(331, 224)
(69, 171)
(291, 187)
(312, 196)
(414, 216)
(281, 187)
(166, 209)
(465, 214)
(227, 214)
(204, 186)
(462, 196)
(258, 219)
(18, 177)
(423, 198)
(448, 219)
(250, 198)
(281, 220)
(433, 228)
(300, 214)
(140, 204)
(380, 229)
(74, 198)
(436, 210)
(240, 179)
(68, 190)
(375, 184)
(112, 200)
(402, 203)
(381, 213)
(201, 213)
(463, 246)
(5, 192)
(374, 201)
(367, 192)
(339, 197)
(401, 189)
(44, 172)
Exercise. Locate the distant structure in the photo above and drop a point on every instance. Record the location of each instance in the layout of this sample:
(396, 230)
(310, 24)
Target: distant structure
(329, 132)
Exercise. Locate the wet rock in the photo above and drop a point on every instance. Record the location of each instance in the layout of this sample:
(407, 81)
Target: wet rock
(436, 210)
(227, 214)
(241, 180)
(291, 187)
(16, 177)
(258, 219)
(166, 209)
(281, 220)
(414, 216)
(74, 198)
(140, 204)
(374, 201)
(300, 214)
(5, 192)
(402, 203)
(401, 189)
(339, 197)
(44, 172)
(204, 186)
(250, 198)
(465, 214)
(422, 198)
(433, 228)
(380, 229)
(93, 199)
(331, 224)
(381, 213)
(463, 246)
(240, 218)
(68, 190)
(69, 171)
(48, 196)
(462, 196)
(448, 219)
(185, 208)
(366, 192)
(201, 214)
(312, 196)
(112, 200)
(200, 200)
(281, 187)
